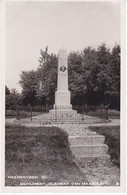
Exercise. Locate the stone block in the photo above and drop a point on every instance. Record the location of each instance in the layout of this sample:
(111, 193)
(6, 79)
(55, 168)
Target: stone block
(86, 140)
(62, 99)
(82, 151)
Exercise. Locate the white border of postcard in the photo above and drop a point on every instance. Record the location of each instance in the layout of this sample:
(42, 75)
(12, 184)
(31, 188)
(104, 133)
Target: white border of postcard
(65, 189)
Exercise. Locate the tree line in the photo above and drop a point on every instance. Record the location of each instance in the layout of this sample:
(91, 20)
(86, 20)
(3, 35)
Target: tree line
(93, 77)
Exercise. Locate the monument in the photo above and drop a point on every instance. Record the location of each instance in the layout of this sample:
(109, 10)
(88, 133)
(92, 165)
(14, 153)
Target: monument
(62, 95)
(62, 107)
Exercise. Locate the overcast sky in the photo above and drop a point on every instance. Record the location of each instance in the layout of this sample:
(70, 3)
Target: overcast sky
(30, 26)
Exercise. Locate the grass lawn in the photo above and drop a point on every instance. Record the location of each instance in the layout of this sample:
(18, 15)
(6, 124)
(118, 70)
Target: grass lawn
(112, 139)
(112, 114)
(20, 114)
(42, 152)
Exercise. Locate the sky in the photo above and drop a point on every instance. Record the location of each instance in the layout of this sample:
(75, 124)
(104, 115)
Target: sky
(31, 26)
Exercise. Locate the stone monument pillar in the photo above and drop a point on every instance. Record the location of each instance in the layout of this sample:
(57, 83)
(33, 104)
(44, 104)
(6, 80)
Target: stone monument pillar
(62, 95)
(62, 111)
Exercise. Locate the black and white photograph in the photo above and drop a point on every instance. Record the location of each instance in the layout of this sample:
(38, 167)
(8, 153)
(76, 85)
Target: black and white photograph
(63, 94)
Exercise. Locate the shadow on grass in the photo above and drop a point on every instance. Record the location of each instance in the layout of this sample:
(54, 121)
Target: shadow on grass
(39, 151)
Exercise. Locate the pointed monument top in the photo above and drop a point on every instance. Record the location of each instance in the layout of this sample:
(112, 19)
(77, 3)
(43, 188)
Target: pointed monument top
(62, 50)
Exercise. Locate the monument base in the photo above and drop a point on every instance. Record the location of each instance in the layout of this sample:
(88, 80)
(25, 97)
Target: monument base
(62, 99)
(63, 114)
(62, 107)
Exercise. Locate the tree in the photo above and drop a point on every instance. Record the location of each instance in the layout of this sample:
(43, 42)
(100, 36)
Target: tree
(90, 68)
(99, 78)
(115, 75)
(76, 78)
(47, 78)
(82, 75)
(13, 99)
(44, 56)
(38, 87)
(28, 82)
(103, 54)
(7, 90)
(94, 78)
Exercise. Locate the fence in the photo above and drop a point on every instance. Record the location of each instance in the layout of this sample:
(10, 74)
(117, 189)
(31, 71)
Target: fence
(77, 113)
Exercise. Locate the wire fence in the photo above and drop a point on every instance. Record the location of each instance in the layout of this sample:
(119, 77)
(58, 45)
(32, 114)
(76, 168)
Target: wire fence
(49, 113)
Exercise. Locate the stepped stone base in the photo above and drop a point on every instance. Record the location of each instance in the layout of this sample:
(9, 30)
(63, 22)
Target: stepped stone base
(63, 114)
(67, 107)
(63, 111)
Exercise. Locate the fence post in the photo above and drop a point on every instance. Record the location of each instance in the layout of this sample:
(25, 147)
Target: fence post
(107, 112)
(101, 116)
(55, 114)
(17, 113)
(31, 112)
(83, 113)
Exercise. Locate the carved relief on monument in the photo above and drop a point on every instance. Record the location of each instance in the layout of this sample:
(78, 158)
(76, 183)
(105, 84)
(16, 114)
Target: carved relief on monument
(62, 68)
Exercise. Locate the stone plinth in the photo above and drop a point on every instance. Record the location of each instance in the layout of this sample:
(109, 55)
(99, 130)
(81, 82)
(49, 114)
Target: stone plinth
(63, 115)
(62, 99)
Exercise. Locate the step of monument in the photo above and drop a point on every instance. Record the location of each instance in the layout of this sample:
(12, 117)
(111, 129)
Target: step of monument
(82, 150)
(50, 121)
(86, 140)
(60, 117)
(79, 133)
(65, 117)
(57, 120)
(66, 120)
(64, 112)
